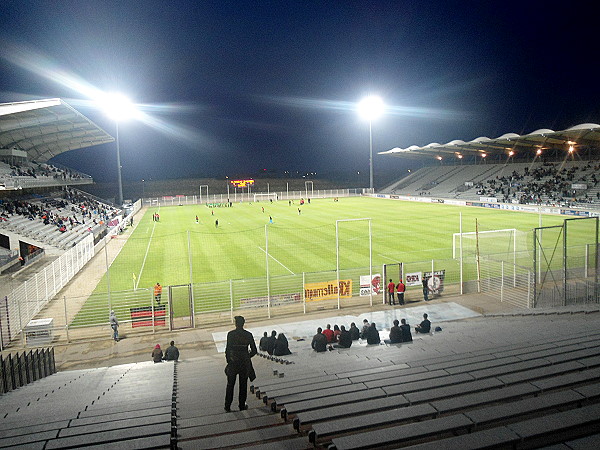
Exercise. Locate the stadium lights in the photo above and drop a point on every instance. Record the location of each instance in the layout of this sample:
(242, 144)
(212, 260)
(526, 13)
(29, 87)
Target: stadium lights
(538, 152)
(511, 153)
(118, 108)
(571, 149)
(371, 108)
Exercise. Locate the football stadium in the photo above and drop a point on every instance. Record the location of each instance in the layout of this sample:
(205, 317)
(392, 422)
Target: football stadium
(456, 305)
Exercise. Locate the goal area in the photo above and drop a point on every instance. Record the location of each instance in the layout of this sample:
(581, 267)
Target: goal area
(270, 196)
(496, 244)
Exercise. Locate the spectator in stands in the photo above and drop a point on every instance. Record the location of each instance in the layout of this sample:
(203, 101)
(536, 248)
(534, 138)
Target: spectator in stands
(336, 333)
(373, 335)
(425, 326)
(365, 329)
(328, 332)
(395, 334)
(354, 332)
(270, 345)
(400, 288)
(262, 345)
(425, 289)
(172, 352)
(319, 341)
(114, 324)
(157, 293)
(406, 334)
(390, 287)
(157, 354)
(239, 352)
(282, 347)
(345, 339)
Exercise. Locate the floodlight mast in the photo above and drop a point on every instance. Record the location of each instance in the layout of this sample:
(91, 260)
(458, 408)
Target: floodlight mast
(118, 108)
(370, 108)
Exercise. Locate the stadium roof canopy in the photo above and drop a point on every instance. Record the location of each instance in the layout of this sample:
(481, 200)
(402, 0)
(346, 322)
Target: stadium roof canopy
(46, 128)
(584, 135)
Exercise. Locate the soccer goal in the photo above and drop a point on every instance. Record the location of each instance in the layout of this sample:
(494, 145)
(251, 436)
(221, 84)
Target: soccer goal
(270, 196)
(490, 243)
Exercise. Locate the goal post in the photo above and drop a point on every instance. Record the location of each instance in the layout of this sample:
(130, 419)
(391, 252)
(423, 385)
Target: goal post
(497, 242)
(269, 196)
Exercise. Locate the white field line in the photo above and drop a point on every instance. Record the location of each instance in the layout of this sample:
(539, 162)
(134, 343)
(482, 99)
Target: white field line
(277, 261)
(137, 282)
(387, 257)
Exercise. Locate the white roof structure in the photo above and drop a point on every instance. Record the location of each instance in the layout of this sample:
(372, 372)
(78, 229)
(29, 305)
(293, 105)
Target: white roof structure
(46, 128)
(586, 134)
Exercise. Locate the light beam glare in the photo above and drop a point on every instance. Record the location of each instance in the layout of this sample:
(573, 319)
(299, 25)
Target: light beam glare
(44, 67)
(344, 106)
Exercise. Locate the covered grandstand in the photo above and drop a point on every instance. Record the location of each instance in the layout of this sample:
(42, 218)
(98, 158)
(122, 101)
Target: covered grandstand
(44, 219)
(545, 167)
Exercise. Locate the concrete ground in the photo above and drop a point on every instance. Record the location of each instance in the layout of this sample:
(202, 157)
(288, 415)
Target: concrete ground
(200, 342)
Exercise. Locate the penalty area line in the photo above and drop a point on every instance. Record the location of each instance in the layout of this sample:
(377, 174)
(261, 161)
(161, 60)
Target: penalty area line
(277, 261)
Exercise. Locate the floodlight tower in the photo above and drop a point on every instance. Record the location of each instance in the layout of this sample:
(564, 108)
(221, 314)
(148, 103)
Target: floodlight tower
(370, 108)
(118, 108)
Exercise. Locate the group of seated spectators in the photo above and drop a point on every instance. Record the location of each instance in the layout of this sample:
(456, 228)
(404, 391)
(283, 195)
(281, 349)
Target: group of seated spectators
(64, 214)
(276, 345)
(42, 169)
(339, 337)
(549, 184)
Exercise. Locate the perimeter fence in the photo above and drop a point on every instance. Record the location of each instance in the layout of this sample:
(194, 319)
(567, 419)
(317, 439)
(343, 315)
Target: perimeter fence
(551, 266)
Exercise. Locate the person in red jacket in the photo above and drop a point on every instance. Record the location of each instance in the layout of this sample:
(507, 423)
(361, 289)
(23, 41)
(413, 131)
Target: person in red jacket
(328, 332)
(390, 288)
(400, 288)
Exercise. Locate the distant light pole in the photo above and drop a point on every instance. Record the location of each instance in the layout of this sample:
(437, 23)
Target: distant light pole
(118, 108)
(370, 108)
(143, 189)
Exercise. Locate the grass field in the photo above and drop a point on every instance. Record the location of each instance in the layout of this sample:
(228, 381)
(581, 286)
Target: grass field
(306, 242)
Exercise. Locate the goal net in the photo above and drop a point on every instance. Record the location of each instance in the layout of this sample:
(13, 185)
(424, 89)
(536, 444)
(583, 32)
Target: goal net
(501, 245)
(270, 196)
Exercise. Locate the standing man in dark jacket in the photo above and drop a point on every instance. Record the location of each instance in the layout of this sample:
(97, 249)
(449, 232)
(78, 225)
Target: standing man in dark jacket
(240, 348)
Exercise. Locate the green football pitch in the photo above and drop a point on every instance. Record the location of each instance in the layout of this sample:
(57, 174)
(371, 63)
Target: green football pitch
(179, 249)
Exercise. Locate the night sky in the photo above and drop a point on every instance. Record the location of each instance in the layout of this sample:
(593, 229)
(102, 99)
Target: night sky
(240, 86)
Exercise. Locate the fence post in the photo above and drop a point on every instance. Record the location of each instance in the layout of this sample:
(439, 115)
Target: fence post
(193, 313)
(303, 293)
(268, 278)
(20, 322)
(153, 320)
(231, 297)
(502, 281)
(66, 318)
(461, 253)
(529, 289)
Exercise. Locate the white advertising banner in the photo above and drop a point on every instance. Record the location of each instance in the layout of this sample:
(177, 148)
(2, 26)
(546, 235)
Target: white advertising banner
(367, 284)
(413, 279)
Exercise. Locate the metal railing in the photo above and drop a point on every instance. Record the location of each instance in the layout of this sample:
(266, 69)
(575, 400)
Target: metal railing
(19, 369)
